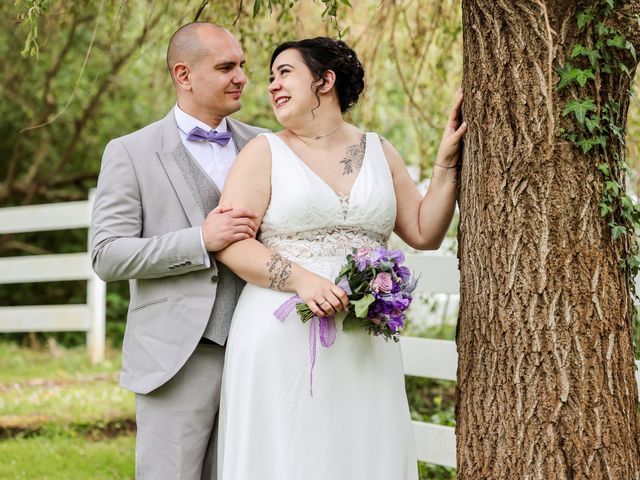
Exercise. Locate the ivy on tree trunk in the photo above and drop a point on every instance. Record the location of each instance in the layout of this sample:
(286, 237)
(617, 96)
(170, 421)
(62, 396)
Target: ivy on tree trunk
(546, 385)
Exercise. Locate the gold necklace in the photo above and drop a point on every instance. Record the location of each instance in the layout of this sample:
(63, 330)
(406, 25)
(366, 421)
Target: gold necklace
(317, 137)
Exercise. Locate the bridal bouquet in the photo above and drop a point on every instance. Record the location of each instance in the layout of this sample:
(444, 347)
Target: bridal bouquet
(379, 289)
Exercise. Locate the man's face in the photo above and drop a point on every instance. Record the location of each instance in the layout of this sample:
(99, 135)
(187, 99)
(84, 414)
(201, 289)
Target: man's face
(217, 78)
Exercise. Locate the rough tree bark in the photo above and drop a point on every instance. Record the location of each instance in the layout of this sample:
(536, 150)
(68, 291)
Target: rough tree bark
(546, 386)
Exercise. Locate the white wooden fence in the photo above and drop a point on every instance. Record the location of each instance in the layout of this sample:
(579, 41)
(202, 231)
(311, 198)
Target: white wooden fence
(425, 357)
(422, 357)
(89, 317)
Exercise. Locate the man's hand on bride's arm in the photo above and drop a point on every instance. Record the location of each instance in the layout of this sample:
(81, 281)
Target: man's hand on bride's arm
(225, 225)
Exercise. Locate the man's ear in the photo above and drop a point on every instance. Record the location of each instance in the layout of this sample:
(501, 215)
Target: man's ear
(329, 78)
(182, 76)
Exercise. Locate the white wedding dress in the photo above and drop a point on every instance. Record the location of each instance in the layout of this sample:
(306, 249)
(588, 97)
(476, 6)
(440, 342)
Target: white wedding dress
(357, 425)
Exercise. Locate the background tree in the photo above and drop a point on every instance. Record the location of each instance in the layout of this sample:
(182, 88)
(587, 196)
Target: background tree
(546, 376)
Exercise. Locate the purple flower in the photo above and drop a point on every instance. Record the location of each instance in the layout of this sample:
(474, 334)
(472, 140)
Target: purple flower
(382, 283)
(403, 272)
(395, 323)
(397, 256)
(361, 258)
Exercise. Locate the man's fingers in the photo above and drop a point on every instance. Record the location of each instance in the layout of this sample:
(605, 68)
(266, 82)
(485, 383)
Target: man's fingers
(221, 209)
(245, 221)
(243, 212)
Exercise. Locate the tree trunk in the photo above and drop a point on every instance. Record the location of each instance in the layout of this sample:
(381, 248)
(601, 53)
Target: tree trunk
(546, 386)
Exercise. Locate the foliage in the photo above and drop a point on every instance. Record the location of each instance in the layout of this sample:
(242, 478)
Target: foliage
(76, 74)
(599, 128)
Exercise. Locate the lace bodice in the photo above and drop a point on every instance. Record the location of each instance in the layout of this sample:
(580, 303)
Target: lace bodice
(307, 222)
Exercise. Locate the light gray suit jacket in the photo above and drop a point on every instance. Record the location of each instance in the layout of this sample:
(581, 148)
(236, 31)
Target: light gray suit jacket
(146, 229)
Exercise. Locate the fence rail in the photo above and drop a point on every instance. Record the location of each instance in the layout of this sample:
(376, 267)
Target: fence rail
(431, 358)
(88, 317)
(422, 357)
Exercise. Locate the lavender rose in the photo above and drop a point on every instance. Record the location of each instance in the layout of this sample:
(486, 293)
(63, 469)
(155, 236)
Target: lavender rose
(382, 283)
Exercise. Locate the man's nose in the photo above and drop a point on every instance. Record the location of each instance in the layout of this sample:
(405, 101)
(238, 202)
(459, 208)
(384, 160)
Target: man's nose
(240, 78)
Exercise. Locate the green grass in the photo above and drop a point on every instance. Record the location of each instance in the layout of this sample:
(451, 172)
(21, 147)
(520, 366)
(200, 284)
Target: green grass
(44, 392)
(20, 364)
(62, 457)
(67, 419)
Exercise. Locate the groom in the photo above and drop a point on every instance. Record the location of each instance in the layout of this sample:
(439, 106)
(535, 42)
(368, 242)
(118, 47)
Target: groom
(156, 221)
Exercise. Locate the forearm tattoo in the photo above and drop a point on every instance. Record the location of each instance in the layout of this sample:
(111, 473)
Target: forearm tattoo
(354, 157)
(279, 271)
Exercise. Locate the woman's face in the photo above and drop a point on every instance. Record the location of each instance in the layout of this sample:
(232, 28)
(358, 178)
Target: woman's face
(292, 89)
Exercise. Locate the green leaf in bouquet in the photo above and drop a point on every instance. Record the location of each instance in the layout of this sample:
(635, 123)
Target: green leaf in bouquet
(361, 287)
(351, 324)
(362, 305)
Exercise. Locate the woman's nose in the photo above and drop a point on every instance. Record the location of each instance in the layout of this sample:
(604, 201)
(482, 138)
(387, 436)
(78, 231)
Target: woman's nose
(274, 86)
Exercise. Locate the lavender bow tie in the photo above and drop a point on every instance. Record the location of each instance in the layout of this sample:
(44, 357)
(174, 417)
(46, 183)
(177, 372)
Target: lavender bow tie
(199, 134)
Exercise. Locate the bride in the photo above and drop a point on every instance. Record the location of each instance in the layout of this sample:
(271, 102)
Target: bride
(321, 187)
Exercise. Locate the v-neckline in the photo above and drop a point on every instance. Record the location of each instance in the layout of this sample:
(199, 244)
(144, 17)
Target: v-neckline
(337, 195)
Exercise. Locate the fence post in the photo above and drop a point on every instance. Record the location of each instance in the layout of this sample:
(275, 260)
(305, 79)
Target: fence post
(96, 300)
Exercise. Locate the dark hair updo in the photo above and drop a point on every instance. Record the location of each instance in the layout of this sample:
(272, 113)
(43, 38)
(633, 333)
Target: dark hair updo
(321, 54)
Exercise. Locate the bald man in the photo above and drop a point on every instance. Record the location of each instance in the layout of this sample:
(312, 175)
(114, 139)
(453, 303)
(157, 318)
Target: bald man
(156, 221)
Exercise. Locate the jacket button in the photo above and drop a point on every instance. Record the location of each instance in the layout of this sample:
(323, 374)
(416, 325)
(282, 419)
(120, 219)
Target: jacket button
(214, 278)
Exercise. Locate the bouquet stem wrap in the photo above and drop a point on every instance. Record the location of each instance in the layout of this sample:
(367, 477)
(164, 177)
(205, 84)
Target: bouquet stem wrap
(327, 326)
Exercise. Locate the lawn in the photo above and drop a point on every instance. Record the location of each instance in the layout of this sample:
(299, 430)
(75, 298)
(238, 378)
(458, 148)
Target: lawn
(62, 418)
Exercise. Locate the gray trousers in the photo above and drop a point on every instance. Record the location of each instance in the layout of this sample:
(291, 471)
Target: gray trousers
(177, 422)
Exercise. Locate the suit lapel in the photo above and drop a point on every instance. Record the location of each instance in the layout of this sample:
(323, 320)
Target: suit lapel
(170, 143)
(240, 136)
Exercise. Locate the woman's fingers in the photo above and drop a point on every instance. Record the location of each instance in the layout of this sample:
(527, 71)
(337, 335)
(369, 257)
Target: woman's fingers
(454, 114)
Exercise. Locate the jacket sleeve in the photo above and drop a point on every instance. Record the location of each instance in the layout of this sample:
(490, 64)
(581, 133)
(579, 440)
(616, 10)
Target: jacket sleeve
(117, 250)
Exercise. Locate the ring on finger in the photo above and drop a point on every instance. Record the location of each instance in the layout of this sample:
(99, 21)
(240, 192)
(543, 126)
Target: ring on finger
(320, 304)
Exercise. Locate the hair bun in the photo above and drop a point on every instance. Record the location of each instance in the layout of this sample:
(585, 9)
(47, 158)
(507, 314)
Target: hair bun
(323, 53)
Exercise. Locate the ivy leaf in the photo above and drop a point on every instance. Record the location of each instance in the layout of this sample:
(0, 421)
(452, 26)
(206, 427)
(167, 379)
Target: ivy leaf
(617, 131)
(585, 17)
(584, 76)
(591, 54)
(604, 168)
(634, 263)
(618, 41)
(612, 186)
(579, 108)
(592, 123)
(605, 209)
(624, 69)
(632, 50)
(617, 230)
(585, 144)
(346, 2)
(602, 29)
(569, 74)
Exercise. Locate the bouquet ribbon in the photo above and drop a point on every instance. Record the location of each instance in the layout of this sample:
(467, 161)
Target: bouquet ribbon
(327, 325)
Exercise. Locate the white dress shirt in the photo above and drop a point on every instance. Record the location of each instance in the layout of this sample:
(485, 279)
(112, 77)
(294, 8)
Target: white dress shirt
(216, 160)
